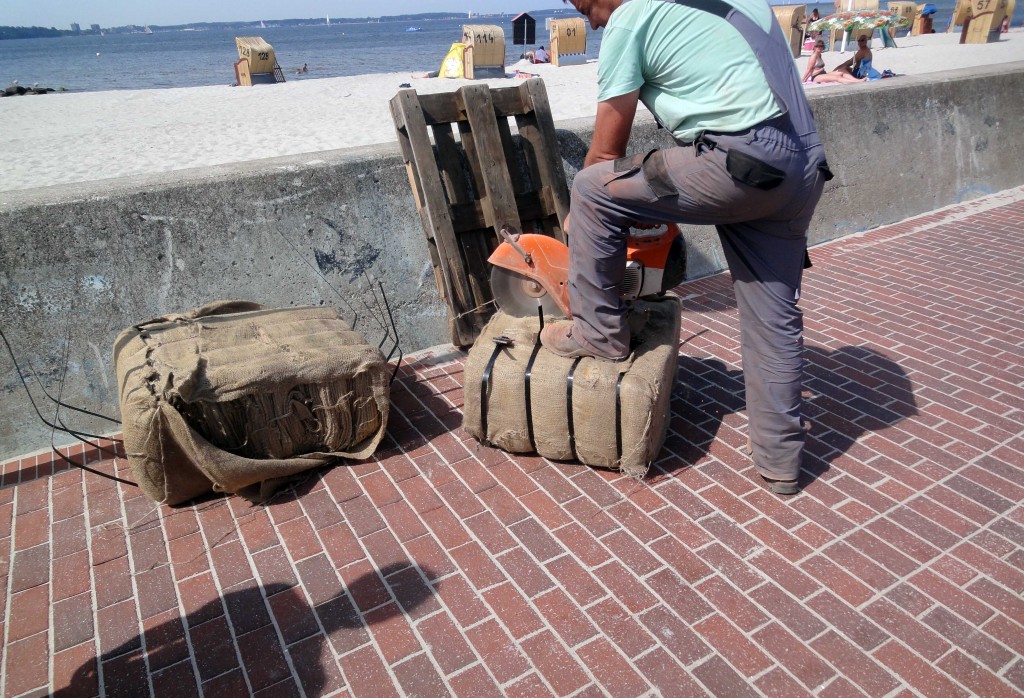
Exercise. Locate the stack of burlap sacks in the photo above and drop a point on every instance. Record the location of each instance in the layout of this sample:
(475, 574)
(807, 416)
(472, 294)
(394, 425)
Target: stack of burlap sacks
(619, 411)
(235, 397)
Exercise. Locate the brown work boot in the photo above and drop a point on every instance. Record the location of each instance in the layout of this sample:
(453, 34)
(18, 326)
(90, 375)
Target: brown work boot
(784, 487)
(557, 338)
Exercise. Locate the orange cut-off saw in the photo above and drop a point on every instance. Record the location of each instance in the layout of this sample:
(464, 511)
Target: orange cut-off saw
(529, 270)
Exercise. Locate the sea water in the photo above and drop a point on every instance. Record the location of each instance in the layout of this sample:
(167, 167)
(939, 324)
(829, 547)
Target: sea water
(189, 58)
(185, 58)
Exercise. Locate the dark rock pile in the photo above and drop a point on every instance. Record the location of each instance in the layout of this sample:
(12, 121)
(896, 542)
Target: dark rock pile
(16, 90)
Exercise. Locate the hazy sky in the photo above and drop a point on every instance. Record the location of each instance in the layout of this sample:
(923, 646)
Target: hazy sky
(112, 13)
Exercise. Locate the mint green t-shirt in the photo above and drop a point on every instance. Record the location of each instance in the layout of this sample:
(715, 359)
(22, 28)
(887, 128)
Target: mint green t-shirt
(695, 72)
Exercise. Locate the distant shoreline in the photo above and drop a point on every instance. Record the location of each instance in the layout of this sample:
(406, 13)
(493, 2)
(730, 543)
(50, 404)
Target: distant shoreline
(52, 32)
(66, 138)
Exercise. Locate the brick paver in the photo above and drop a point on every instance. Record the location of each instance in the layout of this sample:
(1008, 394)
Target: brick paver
(443, 567)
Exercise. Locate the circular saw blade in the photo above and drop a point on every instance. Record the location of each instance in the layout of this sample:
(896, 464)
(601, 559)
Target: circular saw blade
(520, 295)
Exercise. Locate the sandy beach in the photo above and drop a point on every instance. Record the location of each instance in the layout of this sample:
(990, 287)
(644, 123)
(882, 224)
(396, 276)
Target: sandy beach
(80, 137)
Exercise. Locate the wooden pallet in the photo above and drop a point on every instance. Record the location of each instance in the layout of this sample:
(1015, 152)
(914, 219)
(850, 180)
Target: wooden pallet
(470, 177)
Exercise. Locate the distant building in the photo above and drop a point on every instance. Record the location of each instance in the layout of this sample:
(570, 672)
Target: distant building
(76, 28)
(95, 28)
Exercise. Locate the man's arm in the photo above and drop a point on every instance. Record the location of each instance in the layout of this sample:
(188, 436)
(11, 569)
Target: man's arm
(612, 127)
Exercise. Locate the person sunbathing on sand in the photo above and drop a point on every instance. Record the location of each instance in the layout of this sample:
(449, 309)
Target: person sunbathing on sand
(816, 69)
(860, 64)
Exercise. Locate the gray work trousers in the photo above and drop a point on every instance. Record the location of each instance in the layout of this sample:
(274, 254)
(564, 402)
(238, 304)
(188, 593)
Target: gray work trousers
(763, 234)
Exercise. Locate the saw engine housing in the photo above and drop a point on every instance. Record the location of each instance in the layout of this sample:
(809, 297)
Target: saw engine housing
(533, 269)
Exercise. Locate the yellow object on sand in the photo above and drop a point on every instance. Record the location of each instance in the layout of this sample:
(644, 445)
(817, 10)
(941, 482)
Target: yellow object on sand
(451, 66)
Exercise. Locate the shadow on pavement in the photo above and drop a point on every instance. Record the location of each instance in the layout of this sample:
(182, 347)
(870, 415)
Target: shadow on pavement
(848, 392)
(272, 631)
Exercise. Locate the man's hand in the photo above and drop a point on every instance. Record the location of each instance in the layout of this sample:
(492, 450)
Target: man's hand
(612, 127)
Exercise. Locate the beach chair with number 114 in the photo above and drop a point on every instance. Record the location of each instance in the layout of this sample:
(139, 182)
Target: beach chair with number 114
(484, 55)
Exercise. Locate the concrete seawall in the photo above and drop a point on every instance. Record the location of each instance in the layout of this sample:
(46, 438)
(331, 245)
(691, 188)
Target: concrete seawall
(91, 259)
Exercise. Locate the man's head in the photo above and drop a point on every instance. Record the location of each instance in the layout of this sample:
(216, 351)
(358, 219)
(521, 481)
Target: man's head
(597, 12)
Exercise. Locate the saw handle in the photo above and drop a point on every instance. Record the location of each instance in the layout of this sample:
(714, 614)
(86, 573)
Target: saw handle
(511, 238)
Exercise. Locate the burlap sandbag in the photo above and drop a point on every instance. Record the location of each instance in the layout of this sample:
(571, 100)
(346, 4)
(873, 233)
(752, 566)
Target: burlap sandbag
(637, 425)
(235, 397)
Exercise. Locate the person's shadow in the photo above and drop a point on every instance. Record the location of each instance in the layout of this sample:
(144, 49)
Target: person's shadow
(268, 630)
(847, 393)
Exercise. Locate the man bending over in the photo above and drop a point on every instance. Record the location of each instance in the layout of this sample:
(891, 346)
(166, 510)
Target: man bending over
(721, 78)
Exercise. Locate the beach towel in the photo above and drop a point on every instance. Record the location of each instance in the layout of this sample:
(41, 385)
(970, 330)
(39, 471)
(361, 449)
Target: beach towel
(864, 70)
(236, 397)
(452, 65)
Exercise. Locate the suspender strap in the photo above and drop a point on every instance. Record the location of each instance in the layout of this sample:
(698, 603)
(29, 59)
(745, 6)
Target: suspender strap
(776, 59)
(715, 7)
(568, 407)
(485, 381)
(755, 38)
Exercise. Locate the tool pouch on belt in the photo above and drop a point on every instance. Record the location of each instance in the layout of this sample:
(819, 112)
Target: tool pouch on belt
(652, 164)
(748, 170)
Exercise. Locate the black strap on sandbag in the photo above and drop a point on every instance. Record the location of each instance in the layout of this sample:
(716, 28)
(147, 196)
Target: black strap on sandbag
(529, 408)
(618, 417)
(500, 343)
(526, 380)
(568, 407)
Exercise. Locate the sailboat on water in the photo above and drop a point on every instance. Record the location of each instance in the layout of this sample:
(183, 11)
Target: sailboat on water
(147, 30)
(328, 20)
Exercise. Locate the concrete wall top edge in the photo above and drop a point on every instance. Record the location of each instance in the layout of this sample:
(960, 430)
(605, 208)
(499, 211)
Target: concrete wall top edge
(68, 193)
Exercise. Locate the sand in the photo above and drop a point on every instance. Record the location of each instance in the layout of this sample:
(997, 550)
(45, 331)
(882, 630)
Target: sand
(64, 138)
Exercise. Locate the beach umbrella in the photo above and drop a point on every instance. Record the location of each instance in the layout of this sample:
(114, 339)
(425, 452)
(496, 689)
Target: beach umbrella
(859, 19)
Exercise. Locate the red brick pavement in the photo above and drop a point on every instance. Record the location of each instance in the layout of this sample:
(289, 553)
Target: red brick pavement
(444, 567)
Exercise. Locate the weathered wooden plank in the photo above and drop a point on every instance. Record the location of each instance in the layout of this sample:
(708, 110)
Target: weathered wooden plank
(439, 108)
(476, 242)
(532, 205)
(403, 143)
(434, 214)
(474, 254)
(477, 250)
(540, 146)
(498, 197)
(450, 164)
(515, 171)
(417, 194)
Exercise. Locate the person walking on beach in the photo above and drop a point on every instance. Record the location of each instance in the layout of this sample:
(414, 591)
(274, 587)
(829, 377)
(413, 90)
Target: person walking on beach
(815, 16)
(719, 76)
